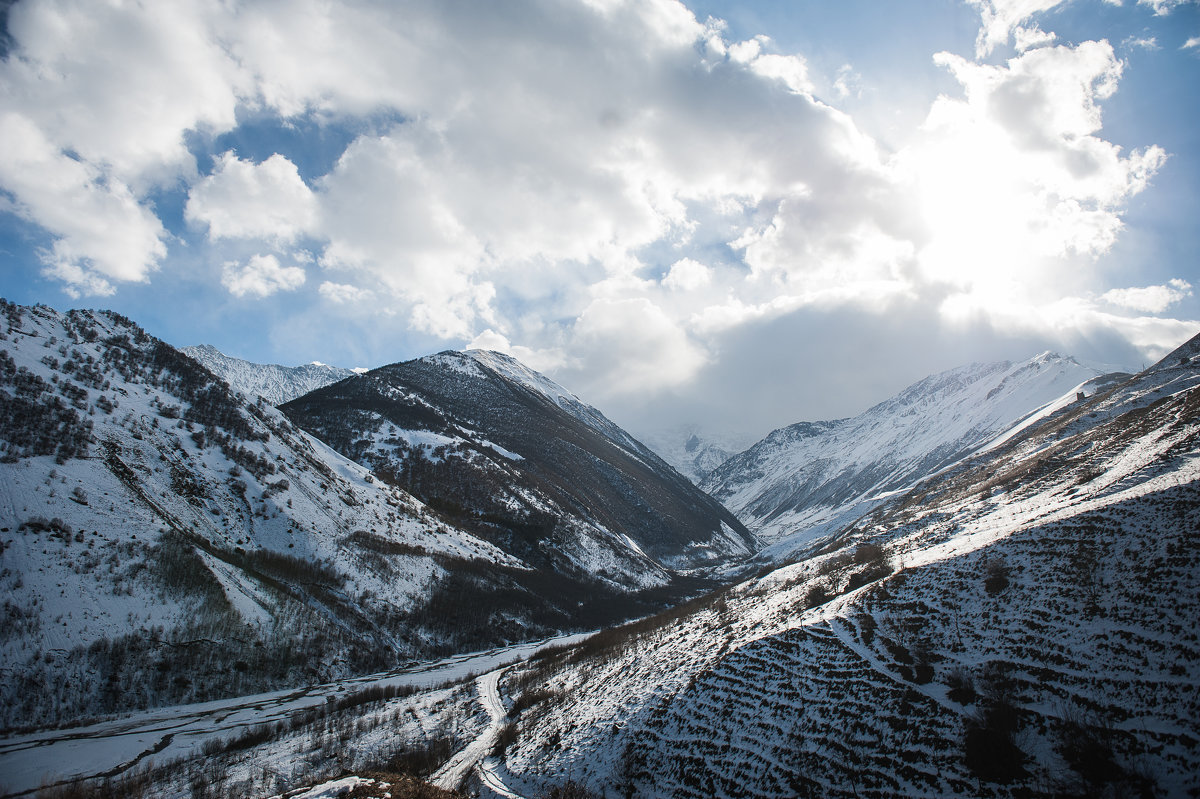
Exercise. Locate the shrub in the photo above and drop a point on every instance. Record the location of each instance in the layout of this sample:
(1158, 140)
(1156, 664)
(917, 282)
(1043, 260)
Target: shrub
(507, 737)
(961, 686)
(1087, 744)
(817, 595)
(996, 579)
(423, 760)
(530, 698)
(252, 737)
(990, 748)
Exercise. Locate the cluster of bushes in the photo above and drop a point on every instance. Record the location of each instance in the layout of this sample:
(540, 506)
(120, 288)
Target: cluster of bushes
(34, 420)
(848, 571)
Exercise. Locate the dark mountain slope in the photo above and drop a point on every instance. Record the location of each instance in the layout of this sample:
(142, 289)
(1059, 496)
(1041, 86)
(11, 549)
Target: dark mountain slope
(516, 459)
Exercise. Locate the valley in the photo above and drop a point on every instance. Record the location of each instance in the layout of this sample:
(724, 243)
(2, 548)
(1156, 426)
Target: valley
(984, 586)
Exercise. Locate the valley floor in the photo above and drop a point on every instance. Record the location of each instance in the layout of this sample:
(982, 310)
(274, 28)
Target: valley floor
(431, 694)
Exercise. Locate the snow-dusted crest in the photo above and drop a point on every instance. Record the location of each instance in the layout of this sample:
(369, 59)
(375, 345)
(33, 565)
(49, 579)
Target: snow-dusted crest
(274, 383)
(805, 480)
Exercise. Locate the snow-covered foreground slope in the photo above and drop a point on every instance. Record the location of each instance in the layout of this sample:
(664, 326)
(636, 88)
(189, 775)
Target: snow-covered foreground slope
(508, 454)
(804, 481)
(274, 383)
(1024, 625)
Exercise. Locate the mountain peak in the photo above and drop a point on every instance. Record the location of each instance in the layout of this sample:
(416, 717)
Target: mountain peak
(805, 478)
(514, 456)
(275, 383)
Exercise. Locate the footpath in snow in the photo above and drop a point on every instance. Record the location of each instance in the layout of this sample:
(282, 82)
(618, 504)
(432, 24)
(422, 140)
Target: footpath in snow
(452, 775)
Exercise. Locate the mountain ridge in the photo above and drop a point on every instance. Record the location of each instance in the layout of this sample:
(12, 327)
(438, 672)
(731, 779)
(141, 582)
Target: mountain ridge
(450, 424)
(803, 480)
(275, 383)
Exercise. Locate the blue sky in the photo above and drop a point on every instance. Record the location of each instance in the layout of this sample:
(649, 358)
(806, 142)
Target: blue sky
(740, 214)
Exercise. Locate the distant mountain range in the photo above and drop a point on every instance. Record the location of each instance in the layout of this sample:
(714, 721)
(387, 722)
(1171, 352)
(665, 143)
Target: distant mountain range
(694, 451)
(807, 480)
(274, 383)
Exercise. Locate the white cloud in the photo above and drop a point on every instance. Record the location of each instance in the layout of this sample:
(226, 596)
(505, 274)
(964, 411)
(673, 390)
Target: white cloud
(1076, 319)
(687, 275)
(344, 293)
(102, 234)
(1191, 43)
(1001, 17)
(1012, 180)
(1141, 42)
(848, 83)
(1149, 299)
(791, 70)
(632, 346)
(525, 169)
(241, 199)
(1163, 7)
(120, 85)
(1029, 38)
(261, 276)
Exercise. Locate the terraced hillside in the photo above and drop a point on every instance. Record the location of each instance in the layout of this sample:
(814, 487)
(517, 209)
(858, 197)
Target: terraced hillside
(1024, 625)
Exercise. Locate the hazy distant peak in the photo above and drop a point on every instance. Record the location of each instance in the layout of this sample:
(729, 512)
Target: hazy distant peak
(275, 383)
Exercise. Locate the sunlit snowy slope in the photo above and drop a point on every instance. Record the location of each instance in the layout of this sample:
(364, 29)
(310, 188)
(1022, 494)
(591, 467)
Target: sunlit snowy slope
(805, 480)
(1024, 625)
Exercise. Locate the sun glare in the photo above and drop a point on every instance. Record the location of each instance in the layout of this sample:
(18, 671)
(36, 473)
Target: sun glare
(977, 209)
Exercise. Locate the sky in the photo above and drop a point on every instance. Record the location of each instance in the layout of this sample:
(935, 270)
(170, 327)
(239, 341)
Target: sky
(733, 214)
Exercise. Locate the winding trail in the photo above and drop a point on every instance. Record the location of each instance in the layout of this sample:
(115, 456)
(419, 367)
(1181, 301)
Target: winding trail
(452, 775)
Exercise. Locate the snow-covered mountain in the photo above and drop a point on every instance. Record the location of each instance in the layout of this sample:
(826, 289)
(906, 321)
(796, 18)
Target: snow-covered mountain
(508, 454)
(694, 451)
(274, 383)
(1023, 626)
(805, 480)
(165, 539)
